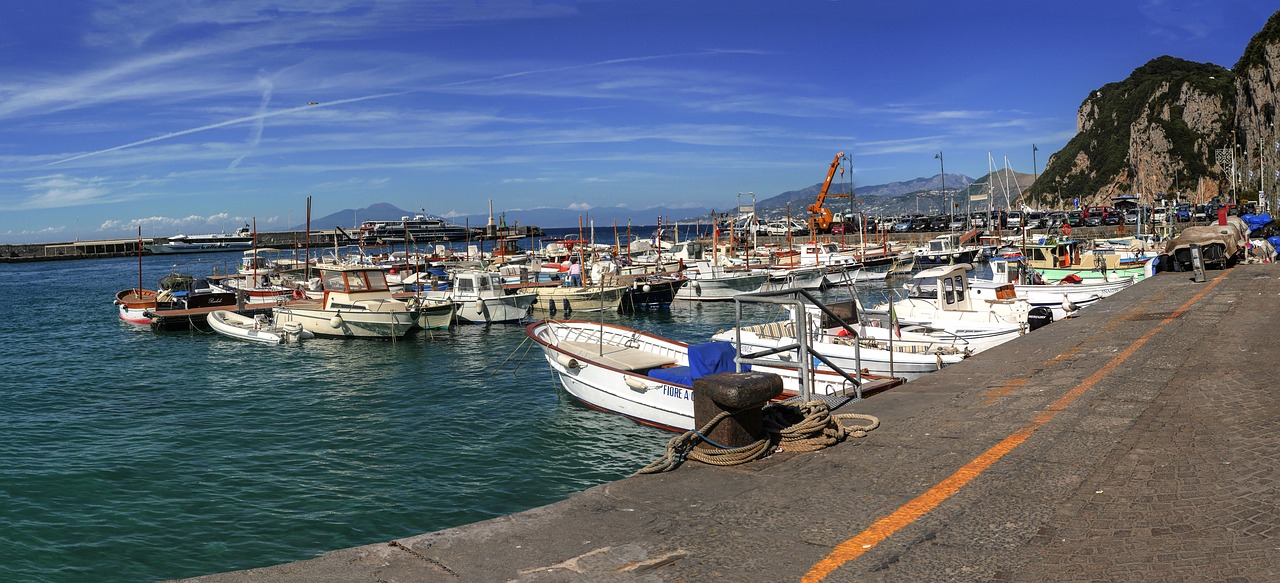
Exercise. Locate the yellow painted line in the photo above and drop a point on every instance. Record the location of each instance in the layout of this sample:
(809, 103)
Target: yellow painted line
(920, 505)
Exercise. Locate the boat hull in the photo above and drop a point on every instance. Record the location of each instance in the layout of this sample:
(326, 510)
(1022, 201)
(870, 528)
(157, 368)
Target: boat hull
(720, 288)
(346, 323)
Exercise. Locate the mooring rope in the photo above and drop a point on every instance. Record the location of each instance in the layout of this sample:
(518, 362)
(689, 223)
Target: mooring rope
(806, 427)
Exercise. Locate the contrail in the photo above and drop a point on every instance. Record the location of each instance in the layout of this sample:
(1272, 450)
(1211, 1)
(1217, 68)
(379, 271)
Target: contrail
(229, 122)
(588, 65)
(255, 135)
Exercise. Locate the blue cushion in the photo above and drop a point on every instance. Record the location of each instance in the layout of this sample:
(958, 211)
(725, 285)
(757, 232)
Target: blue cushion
(676, 375)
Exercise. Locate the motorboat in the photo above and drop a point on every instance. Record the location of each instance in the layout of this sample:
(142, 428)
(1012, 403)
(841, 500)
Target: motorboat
(257, 328)
(357, 304)
(651, 379)
(947, 249)
(1072, 290)
(587, 298)
(838, 333)
(479, 298)
(717, 283)
(940, 299)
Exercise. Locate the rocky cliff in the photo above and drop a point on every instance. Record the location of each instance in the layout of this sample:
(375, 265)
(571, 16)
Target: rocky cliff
(1174, 127)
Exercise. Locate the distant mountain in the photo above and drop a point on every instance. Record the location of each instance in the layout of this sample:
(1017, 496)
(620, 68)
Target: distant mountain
(351, 218)
(879, 199)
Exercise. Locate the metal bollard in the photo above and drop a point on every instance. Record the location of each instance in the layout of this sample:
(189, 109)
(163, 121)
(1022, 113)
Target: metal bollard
(1197, 263)
(744, 395)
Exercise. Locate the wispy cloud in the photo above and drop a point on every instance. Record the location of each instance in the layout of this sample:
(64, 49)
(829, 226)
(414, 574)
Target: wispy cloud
(222, 124)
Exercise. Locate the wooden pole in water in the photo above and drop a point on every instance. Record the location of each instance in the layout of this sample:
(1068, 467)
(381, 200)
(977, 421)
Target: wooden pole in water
(307, 242)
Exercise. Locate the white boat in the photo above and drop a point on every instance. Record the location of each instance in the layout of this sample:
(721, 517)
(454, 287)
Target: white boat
(909, 355)
(357, 304)
(240, 240)
(1071, 291)
(256, 328)
(649, 378)
(940, 299)
(947, 250)
(480, 298)
(712, 282)
(812, 277)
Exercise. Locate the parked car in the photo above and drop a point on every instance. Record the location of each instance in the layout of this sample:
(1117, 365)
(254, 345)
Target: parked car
(1112, 218)
(902, 226)
(1013, 219)
(1075, 218)
(1183, 213)
(1094, 220)
(1131, 217)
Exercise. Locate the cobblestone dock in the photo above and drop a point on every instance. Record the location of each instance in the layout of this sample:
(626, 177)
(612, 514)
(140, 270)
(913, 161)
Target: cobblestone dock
(1136, 442)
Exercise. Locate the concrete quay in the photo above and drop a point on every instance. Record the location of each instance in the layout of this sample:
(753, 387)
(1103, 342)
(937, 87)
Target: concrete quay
(1139, 441)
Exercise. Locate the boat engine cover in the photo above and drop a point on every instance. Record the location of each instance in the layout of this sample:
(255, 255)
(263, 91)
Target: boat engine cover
(1039, 317)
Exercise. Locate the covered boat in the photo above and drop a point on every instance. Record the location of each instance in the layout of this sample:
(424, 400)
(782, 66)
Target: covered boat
(650, 379)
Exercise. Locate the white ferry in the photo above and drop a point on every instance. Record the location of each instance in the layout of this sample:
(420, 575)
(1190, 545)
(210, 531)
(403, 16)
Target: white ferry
(419, 229)
(241, 240)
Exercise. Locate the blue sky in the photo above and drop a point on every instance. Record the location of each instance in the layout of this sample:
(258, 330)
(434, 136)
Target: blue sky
(197, 116)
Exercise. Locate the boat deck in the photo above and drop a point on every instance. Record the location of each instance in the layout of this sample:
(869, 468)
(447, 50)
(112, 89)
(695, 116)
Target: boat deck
(1135, 442)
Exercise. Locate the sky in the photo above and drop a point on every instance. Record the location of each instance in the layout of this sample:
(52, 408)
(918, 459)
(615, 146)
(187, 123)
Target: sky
(199, 116)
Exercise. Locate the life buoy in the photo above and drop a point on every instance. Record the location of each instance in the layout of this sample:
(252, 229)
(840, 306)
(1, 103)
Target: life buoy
(299, 294)
(1066, 229)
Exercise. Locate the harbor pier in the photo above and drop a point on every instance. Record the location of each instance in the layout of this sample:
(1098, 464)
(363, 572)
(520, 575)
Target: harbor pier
(1134, 442)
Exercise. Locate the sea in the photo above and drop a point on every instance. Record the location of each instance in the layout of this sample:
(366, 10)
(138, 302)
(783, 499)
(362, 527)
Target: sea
(131, 455)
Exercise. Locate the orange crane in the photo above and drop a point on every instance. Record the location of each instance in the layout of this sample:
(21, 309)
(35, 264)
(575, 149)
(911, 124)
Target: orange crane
(820, 215)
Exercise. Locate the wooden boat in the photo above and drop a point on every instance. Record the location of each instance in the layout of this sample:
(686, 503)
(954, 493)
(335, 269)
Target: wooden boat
(256, 328)
(132, 305)
(649, 378)
(655, 290)
(1055, 259)
(357, 304)
(184, 302)
(589, 298)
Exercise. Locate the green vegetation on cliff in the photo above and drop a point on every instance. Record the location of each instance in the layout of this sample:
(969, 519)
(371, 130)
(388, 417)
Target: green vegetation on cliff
(1100, 155)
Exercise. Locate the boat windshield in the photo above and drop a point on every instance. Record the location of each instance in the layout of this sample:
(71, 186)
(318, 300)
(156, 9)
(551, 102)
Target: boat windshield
(355, 281)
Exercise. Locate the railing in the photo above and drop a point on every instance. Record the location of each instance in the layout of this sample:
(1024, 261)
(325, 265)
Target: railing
(806, 354)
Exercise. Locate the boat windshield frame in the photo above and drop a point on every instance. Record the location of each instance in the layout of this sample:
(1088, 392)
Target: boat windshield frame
(357, 281)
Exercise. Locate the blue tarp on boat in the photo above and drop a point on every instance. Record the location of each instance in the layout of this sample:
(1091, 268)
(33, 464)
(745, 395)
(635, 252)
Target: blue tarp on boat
(704, 359)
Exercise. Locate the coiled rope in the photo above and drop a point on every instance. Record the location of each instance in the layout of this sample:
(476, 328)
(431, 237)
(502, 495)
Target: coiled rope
(806, 427)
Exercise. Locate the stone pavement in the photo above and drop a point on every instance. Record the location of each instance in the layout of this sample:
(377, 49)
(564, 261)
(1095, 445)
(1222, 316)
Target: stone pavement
(1136, 442)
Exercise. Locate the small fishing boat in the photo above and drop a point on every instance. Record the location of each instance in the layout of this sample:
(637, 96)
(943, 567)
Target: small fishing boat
(878, 351)
(481, 299)
(650, 379)
(357, 304)
(940, 299)
(256, 328)
(712, 282)
(655, 290)
(133, 303)
(588, 298)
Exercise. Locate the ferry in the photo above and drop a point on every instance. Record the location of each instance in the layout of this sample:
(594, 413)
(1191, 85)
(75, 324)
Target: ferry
(241, 240)
(418, 229)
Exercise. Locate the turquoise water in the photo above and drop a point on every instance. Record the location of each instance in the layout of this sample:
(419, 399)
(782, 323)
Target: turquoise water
(134, 456)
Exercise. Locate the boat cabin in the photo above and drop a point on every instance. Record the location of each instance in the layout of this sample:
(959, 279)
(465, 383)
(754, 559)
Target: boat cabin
(471, 284)
(944, 243)
(1053, 254)
(947, 286)
(353, 280)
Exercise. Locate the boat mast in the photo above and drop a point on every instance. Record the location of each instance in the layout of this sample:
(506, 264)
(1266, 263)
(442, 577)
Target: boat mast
(139, 294)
